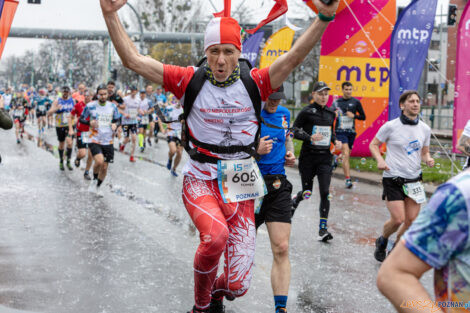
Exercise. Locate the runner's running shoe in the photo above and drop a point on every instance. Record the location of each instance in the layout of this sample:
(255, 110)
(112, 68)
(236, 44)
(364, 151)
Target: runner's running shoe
(348, 183)
(194, 310)
(86, 175)
(380, 248)
(61, 166)
(216, 306)
(324, 235)
(173, 173)
(131, 159)
(77, 162)
(93, 186)
(121, 147)
(168, 164)
(69, 167)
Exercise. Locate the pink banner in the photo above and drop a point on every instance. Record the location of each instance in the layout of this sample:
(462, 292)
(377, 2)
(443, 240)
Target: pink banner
(356, 48)
(462, 77)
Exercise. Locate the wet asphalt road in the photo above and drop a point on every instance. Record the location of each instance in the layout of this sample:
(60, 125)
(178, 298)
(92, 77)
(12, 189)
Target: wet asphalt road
(63, 249)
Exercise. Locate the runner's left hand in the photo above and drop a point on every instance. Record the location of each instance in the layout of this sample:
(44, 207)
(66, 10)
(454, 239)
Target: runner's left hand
(430, 162)
(290, 159)
(327, 10)
(350, 114)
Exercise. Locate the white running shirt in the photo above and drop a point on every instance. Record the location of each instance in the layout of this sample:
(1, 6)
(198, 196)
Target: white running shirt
(404, 145)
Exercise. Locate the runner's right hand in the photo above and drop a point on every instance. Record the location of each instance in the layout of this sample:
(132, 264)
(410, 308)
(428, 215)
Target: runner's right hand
(382, 165)
(265, 145)
(94, 124)
(111, 6)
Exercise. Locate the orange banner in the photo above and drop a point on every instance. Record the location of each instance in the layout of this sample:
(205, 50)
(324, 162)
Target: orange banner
(8, 13)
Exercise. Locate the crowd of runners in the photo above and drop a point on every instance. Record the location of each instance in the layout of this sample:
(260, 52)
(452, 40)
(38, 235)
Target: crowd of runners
(80, 123)
(228, 117)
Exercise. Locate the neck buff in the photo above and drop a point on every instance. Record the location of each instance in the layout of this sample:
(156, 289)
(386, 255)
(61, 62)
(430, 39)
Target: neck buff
(228, 82)
(407, 121)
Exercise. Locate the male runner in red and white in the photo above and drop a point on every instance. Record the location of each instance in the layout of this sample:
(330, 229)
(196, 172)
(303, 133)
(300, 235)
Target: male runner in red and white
(83, 134)
(223, 115)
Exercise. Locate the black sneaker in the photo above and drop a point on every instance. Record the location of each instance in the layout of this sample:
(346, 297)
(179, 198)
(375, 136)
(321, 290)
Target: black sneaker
(69, 167)
(296, 200)
(61, 166)
(194, 310)
(76, 162)
(380, 252)
(348, 183)
(216, 306)
(324, 235)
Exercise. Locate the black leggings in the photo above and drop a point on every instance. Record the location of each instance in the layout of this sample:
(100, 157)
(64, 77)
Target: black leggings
(319, 165)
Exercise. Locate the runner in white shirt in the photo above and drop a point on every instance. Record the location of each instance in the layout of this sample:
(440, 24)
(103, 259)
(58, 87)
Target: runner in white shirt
(407, 140)
(464, 144)
(172, 112)
(145, 112)
(7, 97)
(102, 116)
(130, 111)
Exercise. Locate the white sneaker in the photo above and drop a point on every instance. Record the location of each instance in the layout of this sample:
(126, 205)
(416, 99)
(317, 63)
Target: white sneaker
(99, 191)
(93, 186)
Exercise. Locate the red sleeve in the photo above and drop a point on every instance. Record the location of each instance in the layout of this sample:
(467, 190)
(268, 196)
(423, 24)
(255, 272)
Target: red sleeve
(176, 79)
(262, 79)
(74, 110)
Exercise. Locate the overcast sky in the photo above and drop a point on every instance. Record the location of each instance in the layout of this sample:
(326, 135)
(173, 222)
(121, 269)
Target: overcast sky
(86, 15)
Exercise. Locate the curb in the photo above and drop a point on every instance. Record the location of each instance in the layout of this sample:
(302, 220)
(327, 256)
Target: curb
(370, 178)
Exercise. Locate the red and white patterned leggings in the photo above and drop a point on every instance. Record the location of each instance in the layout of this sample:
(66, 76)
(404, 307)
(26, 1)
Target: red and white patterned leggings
(223, 227)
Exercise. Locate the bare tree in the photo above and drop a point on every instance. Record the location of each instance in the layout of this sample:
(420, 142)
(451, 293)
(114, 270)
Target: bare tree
(166, 15)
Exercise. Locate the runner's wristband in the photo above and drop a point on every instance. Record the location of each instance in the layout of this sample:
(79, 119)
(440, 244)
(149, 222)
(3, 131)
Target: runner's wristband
(325, 18)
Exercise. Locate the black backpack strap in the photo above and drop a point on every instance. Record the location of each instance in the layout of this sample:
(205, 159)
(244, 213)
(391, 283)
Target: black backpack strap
(193, 88)
(251, 87)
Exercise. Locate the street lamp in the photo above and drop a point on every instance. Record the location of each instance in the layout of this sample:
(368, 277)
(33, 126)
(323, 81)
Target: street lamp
(141, 39)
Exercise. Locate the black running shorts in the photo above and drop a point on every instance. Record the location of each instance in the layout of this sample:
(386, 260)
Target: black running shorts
(106, 150)
(129, 129)
(393, 191)
(80, 144)
(277, 204)
(62, 133)
(174, 139)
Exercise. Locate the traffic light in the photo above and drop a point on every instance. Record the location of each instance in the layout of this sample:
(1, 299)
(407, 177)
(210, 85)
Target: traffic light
(34, 1)
(452, 15)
